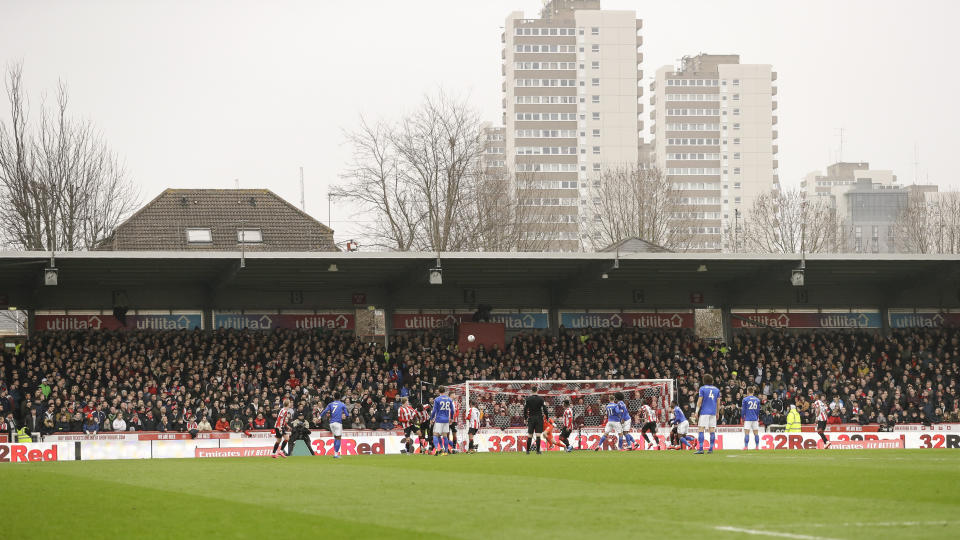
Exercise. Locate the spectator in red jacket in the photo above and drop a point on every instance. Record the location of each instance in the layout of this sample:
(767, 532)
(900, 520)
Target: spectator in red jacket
(222, 424)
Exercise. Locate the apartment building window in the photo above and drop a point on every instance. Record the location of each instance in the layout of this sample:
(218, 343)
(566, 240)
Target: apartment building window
(595, 31)
(736, 140)
(596, 150)
(891, 239)
(595, 81)
(596, 183)
(596, 116)
(736, 97)
(736, 155)
(595, 64)
(858, 237)
(596, 167)
(736, 126)
(596, 99)
(736, 170)
(736, 200)
(736, 185)
(596, 133)
(736, 112)
(736, 82)
(595, 48)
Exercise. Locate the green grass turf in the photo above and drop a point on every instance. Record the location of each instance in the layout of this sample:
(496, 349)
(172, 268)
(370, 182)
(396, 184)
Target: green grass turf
(823, 494)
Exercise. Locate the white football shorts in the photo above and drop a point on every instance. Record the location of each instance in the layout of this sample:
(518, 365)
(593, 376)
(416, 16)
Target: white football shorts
(707, 421)
(336, 429)
(441, 428)
(751, 425)
(683, 427)
(626, 425)
(613, 427)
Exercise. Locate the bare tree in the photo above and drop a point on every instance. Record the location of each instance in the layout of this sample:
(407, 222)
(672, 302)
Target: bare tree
(377, 185)
(637, 201)
(929, 225)
(419, 177)
(783, 221)
(61, 188)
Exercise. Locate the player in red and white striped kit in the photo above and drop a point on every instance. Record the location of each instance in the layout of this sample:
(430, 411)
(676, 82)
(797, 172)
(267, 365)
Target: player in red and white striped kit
(567, 427)
(282, 430)
(649, 418)
(426, 434)
(410, 422)
(821, 410)
(473, 425)
(453, 427)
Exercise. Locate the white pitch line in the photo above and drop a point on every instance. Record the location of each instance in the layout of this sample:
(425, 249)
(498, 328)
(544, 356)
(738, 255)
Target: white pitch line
(877, 524)
(758, 532)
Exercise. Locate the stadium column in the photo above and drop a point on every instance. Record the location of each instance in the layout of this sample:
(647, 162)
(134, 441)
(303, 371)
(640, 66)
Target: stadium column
(727, 323)
(207, 322)
(884, 320)
(554, 321)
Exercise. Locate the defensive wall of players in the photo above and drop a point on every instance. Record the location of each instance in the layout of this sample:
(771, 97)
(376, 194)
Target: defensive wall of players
(148, 445)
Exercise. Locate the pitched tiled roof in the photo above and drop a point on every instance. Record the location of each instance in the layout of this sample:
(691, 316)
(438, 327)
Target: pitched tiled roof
(635, 245)
(162, 223)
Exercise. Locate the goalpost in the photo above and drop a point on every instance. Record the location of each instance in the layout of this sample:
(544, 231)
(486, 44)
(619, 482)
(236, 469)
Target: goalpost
(501, 402)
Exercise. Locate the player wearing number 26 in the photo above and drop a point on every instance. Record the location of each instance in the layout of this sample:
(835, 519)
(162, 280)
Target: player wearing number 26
(707, 405)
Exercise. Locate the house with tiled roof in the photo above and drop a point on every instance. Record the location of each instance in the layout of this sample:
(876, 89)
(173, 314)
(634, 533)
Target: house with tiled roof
(220, 220)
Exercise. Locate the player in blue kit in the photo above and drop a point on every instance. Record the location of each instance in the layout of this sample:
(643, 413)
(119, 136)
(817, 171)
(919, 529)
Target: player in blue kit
(442, 415)
(625, 422)
(707, 406)
(750, 412)
(614, 412)
(679, 420)
(337, 411)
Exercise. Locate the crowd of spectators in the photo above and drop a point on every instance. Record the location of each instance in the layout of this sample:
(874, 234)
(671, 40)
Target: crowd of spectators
(234, 380)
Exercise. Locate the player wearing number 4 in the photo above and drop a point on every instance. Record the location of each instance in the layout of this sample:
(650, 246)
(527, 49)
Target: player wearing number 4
(707, 406)
(750, 412)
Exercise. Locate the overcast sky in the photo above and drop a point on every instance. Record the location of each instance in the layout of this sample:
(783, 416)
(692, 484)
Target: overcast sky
(199, 93)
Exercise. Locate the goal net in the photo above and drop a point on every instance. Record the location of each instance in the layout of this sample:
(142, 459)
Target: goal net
(501, 402)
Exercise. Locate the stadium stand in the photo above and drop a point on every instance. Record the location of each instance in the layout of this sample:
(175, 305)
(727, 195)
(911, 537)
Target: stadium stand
(233, 380)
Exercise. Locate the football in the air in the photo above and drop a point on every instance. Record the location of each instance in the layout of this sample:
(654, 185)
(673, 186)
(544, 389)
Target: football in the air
(471, 338)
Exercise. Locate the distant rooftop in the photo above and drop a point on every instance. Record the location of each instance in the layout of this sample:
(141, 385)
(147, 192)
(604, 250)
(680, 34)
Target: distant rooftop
(220, 220)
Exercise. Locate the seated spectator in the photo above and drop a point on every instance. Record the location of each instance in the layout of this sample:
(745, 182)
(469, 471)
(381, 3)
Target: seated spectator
(91, 426)
(357, 420)
(236, 425)
(119, 424)
(204, 424)
(222, 424)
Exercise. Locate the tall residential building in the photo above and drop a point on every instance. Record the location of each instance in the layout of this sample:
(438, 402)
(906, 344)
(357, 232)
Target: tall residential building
(571, 108)
(715, 138)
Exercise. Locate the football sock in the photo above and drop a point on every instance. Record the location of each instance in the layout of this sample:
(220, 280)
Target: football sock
(275, 446)
(756, 439)
(700, 439)
(713, 437)
(336, 445)
(538, 444)
(746, 441)
(436, 441)
(629, 438)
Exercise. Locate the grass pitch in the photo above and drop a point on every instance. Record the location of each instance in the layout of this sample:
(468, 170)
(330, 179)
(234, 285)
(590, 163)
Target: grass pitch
(786, 494)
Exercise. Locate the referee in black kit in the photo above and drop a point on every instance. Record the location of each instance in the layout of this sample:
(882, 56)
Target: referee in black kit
(534, 410)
